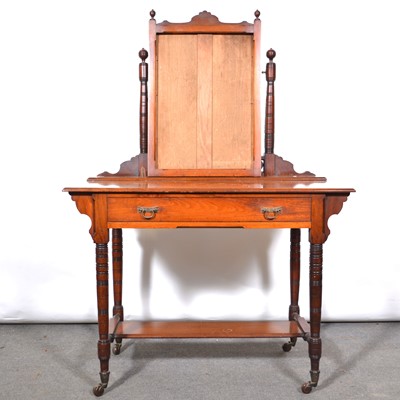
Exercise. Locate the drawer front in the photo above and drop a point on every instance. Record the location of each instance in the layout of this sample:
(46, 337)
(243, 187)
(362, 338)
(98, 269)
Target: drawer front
(209, 209)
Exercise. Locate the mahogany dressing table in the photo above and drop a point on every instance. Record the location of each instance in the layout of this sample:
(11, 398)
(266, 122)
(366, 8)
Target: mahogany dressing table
(200, 165)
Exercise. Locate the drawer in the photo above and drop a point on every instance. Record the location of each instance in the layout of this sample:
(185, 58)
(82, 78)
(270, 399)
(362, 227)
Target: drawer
(209, 209)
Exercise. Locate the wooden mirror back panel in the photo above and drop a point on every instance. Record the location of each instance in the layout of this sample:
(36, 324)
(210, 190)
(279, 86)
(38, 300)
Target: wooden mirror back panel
(200, 104)
(204, 102)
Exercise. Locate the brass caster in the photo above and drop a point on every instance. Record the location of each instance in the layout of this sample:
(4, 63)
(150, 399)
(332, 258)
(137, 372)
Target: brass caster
(117, 348)
(289, 345)
(307, 387)
(286, 347)
(99, 389)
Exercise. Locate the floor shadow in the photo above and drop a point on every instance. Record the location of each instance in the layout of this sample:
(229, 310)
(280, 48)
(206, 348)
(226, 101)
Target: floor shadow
(144, 351)
(71, 360)
(342, 358)
(207, 348)
(362, 346)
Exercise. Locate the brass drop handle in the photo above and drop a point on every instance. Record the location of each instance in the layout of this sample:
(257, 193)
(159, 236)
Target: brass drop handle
(147, 212)
(271, 213)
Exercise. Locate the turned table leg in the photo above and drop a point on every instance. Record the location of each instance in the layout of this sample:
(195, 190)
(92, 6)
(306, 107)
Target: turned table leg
(294, 309)
(103, 345)
(117, 258)
(314, 339)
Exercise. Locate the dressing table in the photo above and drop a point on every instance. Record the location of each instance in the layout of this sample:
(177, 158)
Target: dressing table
(201, 164)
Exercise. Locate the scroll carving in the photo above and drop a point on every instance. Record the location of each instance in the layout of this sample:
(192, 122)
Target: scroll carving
(333, 205)
(277, 166)
(323, 207)
(203, 18)
(85, 203)
(136, 166)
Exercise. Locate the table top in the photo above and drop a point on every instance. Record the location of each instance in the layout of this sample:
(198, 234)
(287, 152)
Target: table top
(187, 185)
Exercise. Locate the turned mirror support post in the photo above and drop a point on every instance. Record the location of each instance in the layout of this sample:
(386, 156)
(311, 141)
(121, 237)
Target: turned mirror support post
(270, 103)
(143, 77)
(273, 165)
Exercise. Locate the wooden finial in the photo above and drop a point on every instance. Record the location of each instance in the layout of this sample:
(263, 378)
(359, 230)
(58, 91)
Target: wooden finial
(257, 14)
(143, 54)
(270, 70)
(271, 53)
(152, 14)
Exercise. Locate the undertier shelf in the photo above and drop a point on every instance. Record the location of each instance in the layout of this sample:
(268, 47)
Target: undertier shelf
(208, 329)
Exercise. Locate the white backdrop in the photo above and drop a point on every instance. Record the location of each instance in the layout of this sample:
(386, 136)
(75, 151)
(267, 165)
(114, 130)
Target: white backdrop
(69, 110)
